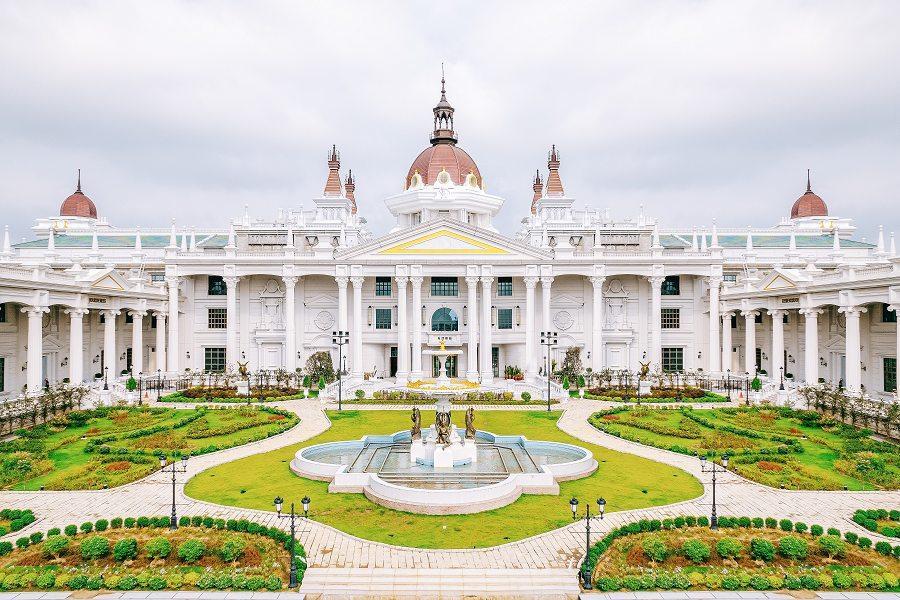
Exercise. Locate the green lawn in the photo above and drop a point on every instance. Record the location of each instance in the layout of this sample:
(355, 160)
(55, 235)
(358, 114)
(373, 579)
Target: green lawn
(114, 446)
(626, 481)
(772, 446)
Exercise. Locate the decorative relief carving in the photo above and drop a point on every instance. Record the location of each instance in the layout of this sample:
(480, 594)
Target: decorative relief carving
(563, 320)
(324, 320)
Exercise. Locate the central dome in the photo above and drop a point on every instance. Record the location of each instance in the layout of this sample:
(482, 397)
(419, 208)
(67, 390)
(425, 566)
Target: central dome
(77, 204)
(443, 157)
(809, 204)
(443, 154)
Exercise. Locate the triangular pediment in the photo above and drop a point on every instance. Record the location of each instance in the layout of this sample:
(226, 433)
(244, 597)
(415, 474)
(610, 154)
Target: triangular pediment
(444, 238)
(104, 279)
(783, 279)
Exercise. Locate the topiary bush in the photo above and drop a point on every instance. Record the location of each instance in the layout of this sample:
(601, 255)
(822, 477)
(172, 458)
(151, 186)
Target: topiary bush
(232, 549)
(55, 546)
(762, 549)
(831, 546)
(816, 530)
(71, 530)
(526, 396)
(655, 549)
(786, 525)
(792, 547)
(125, 549)
(158, 547)
(94, 547)
(729, 547)
(190, 551)
(696, 551)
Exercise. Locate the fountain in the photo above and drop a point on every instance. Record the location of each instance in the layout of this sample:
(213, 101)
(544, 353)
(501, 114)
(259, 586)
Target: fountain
(439, 471)
(442, 354)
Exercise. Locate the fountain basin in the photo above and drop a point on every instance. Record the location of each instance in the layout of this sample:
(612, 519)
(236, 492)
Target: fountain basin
(384, 469)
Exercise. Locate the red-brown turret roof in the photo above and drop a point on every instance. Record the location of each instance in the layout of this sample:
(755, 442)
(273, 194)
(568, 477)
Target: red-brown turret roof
(554, 183)
(333, 183)
(538, 187)
(77, 204)
(350, 189)
(809, 204)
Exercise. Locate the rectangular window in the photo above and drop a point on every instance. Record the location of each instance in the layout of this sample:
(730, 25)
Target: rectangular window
(758, 318)
(672, 359)
(890, 374)
(383, 318)
(2, 374)
(670, 318)
(217, 318)
(734, 321)
(730, 277)
(157, 277)
(888, 316)
(214, 359)
(504, 318)
(216, 286)
(444, 286)
(785, 319)
(3, 313)
(128, 318)
(504, 286)
(382, 286)
(671, 286)
(758, 359)
(153, 322)
(495, 360)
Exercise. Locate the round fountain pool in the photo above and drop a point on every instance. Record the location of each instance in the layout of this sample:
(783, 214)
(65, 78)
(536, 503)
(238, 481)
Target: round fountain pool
(381, 467)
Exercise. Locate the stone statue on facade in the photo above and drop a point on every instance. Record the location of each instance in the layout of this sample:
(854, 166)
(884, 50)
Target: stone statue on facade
(416, 429)
(470, 423)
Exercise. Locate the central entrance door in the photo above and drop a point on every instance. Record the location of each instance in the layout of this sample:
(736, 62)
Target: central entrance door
(393, 362)
(451, 366)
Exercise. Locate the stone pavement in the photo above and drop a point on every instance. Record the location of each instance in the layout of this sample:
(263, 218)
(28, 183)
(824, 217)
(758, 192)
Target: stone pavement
(376, 566)
(726, 595)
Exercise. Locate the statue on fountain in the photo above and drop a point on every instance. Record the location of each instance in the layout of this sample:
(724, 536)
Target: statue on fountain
(416, 430)
(470, 423)
(442, 427)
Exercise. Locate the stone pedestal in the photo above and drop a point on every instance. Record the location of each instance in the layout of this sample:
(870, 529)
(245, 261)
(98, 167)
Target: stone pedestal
(644, 388)
(426, 452)
(243, 388)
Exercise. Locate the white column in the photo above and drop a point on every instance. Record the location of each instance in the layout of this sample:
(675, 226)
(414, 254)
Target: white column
(749, 341)
(531, 362)
(597, 329)
(472, 350)
(726, 341)
(172, 355)
(715, 354)
(546, 283)
(231, 328)
(811, 343)
(342, 302)
(852, 351)
(655, 353)
(402, 332)
(110, 357)
(896, 309)
(34, 357)
(487, 368)
(416, 374)
(76, 344)
(290, 324)
(356, 366)
(137, 342)
(777, 344)
(160, 340)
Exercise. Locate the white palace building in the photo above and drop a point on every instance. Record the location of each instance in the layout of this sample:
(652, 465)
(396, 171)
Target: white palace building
(805, 295)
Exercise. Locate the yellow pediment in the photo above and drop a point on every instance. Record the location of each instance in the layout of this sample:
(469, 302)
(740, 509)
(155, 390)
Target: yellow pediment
(444, 241)
(779, 283)
(108, 283)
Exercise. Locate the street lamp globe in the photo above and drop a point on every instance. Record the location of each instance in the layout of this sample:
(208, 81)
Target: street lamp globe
(725, 460)
(184, 459)
(601, 504)
(279, 503)
(305, 502)
(573, 503)
(162, 461)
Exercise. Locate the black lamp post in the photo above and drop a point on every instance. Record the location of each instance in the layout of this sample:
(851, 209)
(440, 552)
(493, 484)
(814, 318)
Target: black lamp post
(781, 385)
(173, 469)
(279, 503)
(339, 338)
(158, 384)
(585, 567)
(728, 383)
(549, 339)
(714, 468)
(105, 381)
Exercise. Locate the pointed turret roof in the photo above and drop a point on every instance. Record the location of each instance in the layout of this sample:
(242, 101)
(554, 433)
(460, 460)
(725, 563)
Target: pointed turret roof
(333, 183)
(554, 183)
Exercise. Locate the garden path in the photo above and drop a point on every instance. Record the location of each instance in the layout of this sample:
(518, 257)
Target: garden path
(374, 564)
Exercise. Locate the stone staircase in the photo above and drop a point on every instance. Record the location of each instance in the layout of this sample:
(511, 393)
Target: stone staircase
(374, 582)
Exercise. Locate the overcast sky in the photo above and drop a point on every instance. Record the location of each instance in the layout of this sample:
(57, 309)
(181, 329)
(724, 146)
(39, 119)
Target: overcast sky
(698, 110)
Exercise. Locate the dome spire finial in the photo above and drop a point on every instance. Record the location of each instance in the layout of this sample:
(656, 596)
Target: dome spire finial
(78, 185)
(808, 182)
(443, 117)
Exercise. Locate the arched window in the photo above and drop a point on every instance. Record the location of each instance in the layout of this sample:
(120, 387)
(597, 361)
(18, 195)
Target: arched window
(444, 319)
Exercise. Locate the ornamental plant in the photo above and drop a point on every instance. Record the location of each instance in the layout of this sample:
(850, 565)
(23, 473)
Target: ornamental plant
(792, 547)
(125, 549)
(526, 396)
(831, 546)
(729, 548)
(762, 549)
(232, 549)
(55, 546)
(131, 384)
(696, 551)
(158, 547)
(94, 547)
(655, 549)
(190, 551)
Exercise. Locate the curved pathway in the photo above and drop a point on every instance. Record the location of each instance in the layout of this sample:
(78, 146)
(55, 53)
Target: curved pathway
(335, 556)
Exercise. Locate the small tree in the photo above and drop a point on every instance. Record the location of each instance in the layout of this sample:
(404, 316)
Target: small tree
(571, 366)
(131, 384)
(320, 367)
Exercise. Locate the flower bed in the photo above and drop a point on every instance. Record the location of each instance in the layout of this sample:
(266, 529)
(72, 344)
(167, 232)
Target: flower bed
(143, 554)
(227, 394)
(880, 520)
(468, 398)
(13, 519)
(667, 394)
(779, 447)
(745, 553)
(112, 446)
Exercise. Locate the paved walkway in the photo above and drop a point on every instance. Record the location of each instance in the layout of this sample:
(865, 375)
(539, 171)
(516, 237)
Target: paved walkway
(557, 553)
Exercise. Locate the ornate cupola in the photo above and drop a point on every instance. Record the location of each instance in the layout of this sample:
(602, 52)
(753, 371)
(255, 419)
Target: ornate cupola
(333, 183)
(554, 183)
(350, 189)
(553, 205)
(443, 119)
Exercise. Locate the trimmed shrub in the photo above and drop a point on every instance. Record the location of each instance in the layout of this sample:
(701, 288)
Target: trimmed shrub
(786, 525)
(816, 530)
(36, 537)
(190, 551)
(800, 527)
(655, 549)
(703, 521)
(883, 548)
(696, 551)
(758, 523)
(851, 537)
(526, 396)
(771, 523)
(23, 542)
(86, 527)
(831, 546)
(7, 547)
(101, 525)
(130, 522)
(158, 547)
(71, 530)
(233, 549)
(53, 531)
(125, 549)
(729, 548)
(55, 546)
(834, 531)
(864, 542)
(792, 547)
(116, 522)
(94, 547)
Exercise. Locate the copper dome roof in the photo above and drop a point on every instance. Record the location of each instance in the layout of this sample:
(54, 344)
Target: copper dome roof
(78, 205)
(447, 157)
(809, 204)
